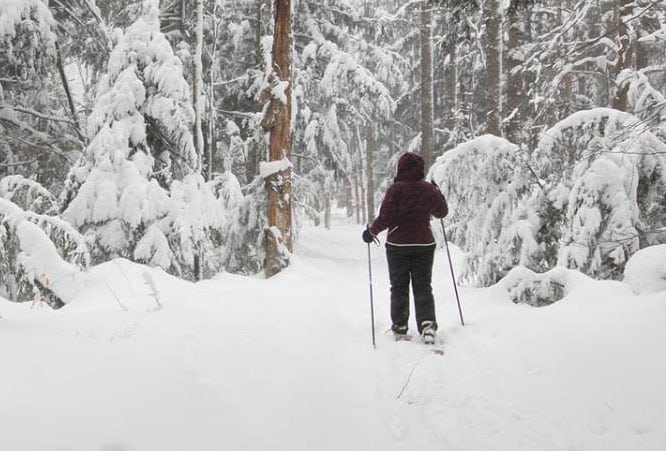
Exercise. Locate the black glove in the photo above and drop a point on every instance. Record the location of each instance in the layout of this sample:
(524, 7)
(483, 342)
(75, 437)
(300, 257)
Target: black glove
(368, 237)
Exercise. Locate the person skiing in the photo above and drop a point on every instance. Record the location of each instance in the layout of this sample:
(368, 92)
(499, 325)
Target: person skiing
(410, 246)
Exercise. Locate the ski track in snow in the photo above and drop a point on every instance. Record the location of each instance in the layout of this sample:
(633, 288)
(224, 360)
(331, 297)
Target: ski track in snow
(243, 363)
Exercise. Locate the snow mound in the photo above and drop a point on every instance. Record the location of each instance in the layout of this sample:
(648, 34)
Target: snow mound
(527, 287)
(123, 285)
(645, 271)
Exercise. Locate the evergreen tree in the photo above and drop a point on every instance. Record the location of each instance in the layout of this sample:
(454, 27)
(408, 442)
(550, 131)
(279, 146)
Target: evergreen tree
(134, 192)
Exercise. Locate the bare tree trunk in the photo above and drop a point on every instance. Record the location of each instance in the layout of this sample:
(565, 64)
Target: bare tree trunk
(515, 95)
(450, 79)
(197, 85)
(357, 198)
(212, 117)
(68, 91)
(492, 52)
(369, 163)
(327, 212)
(649, 24)
(426, 86)
(625, 54)
(259, 57)
(278, 184)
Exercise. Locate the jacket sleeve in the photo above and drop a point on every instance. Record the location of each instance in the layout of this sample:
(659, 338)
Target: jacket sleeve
(386, 212)
(439, 206)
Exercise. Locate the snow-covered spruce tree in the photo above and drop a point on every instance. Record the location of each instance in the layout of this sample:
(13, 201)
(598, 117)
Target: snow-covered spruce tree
(134, 192)
(603, 172)
(492, 207)
(27, 39)
(243, 251)
(588, 197)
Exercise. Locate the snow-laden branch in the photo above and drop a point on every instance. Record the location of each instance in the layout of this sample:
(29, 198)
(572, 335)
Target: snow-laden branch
(32, 267)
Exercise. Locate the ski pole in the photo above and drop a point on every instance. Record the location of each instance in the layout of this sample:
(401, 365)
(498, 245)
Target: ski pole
(453, 277)
(372, 308)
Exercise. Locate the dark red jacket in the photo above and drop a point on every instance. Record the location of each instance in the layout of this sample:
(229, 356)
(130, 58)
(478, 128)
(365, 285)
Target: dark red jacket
(408, 205)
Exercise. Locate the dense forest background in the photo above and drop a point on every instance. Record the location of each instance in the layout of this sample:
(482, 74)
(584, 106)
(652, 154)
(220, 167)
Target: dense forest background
(140, 129)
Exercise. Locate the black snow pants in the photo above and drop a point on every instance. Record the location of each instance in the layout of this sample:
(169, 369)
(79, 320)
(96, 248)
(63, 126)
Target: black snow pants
(411, 263)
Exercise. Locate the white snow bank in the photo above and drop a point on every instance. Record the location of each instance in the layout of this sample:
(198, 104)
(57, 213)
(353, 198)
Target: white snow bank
(526, 286)
(645, 271)
(122, 285)
(286, 363)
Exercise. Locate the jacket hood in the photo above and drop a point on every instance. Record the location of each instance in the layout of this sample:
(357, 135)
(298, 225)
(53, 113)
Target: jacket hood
(410, 168)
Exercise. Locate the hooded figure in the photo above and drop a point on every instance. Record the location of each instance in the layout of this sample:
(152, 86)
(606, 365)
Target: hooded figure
(406, 210)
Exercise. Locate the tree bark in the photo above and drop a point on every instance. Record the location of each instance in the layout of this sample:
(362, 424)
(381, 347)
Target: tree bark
(357, 198)
(515, 95)
(68, 91)
(259, 57)
(492, 36)
(278, 185)
(450, 79)
(197, 87)
(625, 56)
(426, 86)
(212, 114)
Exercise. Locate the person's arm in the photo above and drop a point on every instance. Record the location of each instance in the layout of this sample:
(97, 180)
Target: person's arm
(386, 212)
(439, 206)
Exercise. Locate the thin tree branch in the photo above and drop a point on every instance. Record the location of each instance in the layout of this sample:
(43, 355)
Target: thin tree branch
(18, 163)
(237, 113)
(36, 113)
(47, 147)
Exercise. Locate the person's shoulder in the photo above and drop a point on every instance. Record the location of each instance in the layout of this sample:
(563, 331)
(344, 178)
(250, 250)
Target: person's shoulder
(426, 185)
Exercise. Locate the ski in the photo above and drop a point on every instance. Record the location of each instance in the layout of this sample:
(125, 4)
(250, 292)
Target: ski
(402, 337)
(436, 348)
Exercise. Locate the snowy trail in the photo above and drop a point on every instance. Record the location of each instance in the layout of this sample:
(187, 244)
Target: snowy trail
(251, 364)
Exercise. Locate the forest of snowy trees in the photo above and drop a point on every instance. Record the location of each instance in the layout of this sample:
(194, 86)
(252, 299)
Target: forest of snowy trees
(200, 135)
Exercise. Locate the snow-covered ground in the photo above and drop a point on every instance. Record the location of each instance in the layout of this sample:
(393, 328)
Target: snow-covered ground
(241, 363)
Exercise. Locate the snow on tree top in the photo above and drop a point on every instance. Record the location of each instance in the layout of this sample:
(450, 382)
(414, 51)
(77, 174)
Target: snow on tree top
(14, 12)
(615, 120)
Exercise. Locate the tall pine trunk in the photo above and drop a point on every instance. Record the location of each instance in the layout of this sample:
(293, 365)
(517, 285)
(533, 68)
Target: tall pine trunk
(278, 235)
(426, 86)
(212, 117)
(492, 36)
(197, 85)
(450, 79)
(626, 51)
(515, 95)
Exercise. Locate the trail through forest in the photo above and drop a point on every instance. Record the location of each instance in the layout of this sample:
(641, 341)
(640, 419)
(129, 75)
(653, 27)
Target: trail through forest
(245, 363)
